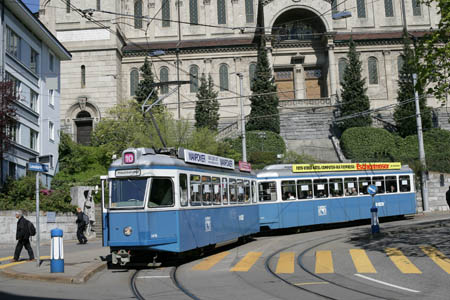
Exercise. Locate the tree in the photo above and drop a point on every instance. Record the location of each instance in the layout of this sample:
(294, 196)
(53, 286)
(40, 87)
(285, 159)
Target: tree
(146, 85)
(7, 119)
(434, 51)
(354, 98)
(207, 106)
(405, 112)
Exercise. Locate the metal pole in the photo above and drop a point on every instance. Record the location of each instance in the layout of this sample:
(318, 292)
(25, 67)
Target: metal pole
(423, 162)
(244, 141)
(37, 217)
(178, 59)
(405, 26)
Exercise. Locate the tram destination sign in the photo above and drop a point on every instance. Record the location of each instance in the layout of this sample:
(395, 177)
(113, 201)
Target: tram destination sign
(346, 167)
(200, 158)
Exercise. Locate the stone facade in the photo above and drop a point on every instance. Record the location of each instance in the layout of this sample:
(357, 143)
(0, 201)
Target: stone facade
(438, 186)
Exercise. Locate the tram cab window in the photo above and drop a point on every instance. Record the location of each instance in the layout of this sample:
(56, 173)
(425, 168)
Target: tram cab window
(183, 190)
(240, 189)
(378, 181)
(405, 183)
(254, 192)
(351, 186)
(161, 193)
(128, 192)
(206, 190)
(304, 189)
(196, 195)
(216, 191)
(267, 191)
(364, 183)
(336, 187)
(288, 190)
(246, 191)
(225, 195)
(320, 188)
(233, 191)
(391, 184)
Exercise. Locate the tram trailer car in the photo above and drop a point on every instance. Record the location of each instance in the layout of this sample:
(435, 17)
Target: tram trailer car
(172, 203)
(294, 199)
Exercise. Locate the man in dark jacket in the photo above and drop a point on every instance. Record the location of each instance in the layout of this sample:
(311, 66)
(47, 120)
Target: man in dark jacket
(81, 227)
(22, 237)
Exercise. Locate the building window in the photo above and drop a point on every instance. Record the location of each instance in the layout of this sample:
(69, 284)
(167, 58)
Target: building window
(51, 62)
(34, 101)
(13, 132)
(221, 12)
(51, 131)
(16, 84)
(68, 6)
(164, 77)
(138, 14)
(193, 11)
(388, 8)
(98, 5)
(34, 56)
(193, 78)
(342, 65)
(83, 76)
(51, 98)
(251, 73)
(373, 70)
(361, 8)
(223, 77)
(165, 13)
(134, 81)
(249, 14)
(417, 10)
(12, 170)
(334, 6)
(13, 43)
(33, 139)
(400, 63)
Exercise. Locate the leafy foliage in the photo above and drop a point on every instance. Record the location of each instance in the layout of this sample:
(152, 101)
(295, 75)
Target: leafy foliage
(207, 108)
(7, 118)
(354, 98)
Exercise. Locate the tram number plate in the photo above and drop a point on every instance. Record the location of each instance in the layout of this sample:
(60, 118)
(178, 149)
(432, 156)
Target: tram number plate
(207, 224)
(379, 204)
(322, 210)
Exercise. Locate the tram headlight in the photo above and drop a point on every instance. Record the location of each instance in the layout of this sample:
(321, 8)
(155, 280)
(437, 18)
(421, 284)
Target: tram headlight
(127, 231)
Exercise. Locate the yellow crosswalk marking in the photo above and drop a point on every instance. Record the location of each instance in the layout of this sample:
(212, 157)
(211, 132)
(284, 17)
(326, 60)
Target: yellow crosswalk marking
(210, 262)
(6, 258)
(361, 261)
(438, 257)
(247, 262)
(401, 261)
(324, 262)
(285, 263)
(19, 262)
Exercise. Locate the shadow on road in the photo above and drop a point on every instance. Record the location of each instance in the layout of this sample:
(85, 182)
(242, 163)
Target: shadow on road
(8, 296)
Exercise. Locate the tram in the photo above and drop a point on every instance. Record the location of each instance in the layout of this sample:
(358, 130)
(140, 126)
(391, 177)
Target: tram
(302, 195)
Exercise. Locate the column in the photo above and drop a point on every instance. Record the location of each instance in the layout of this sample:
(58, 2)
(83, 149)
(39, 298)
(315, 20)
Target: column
(332, 70)
(388, 74)
(299, 82)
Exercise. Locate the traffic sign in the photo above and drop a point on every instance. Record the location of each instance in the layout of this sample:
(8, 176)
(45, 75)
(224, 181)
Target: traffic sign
(372, 189)
(37, 167)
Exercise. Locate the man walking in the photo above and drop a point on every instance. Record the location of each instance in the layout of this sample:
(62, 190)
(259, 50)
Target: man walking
(22, 237)
(81, 227)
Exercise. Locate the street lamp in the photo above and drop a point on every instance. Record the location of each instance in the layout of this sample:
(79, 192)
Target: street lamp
(244, 142)
(342, 15)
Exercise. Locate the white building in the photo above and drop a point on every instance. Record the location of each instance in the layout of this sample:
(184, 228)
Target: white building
(307, 51)
(30, 57)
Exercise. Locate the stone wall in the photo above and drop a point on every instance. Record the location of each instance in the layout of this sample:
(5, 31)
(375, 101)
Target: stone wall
(438, 185)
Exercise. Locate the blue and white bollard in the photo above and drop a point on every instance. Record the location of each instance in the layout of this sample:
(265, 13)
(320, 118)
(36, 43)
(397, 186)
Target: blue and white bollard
(375, 225)
(57, 251)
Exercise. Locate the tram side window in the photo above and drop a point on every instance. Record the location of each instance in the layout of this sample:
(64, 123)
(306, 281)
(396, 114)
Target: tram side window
(405, 183)
(225, 190)
(183, 190)
(240, 190)
(288, 190)
(320, 188)
(267, 191)
(196, 195)
(207, 190)
(391, 184)
(254, 192)
(304, 189)
(351, 186)
(364, 183)
(233, 191)
(378, 181)
(247, 191)
(336, 187)
(216, 190)
(161, 193)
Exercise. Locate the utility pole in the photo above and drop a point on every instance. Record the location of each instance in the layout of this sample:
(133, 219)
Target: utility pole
(177, 52)
(244, 141)
(38, 230)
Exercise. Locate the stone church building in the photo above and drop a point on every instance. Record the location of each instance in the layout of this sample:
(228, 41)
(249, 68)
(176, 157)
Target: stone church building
(109, 41)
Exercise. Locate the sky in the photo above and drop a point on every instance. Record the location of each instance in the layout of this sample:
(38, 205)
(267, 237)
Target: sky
(33, 5)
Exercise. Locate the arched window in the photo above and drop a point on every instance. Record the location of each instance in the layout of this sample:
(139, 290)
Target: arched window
(164, 77)
(134, 81)
(165, 11)
(417, 10)
(251, 73)
(138, 14)
(400, 63)
(388, 8)
(342, 65)
(334, 6)
(249, 14)
(361, 8)
(83, 76)
(193, 77)
(373, 70)
(68, 6)
(223, 77)
(193, 11)
(221, 12)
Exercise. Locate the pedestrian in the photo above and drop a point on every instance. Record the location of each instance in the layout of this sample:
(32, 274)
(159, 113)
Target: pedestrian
(22, 236)
(447, 196)
(81, 227)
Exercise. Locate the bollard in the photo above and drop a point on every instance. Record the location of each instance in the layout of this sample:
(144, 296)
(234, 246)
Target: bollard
(375, 225)
(57, 251)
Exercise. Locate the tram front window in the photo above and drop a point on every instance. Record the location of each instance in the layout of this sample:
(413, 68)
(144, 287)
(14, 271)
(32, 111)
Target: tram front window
(128, 192)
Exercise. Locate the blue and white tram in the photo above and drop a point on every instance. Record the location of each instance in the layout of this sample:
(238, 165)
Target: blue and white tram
(175, 202)
(290, 199)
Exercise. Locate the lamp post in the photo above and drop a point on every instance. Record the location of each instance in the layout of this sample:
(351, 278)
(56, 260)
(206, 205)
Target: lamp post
(244, 142)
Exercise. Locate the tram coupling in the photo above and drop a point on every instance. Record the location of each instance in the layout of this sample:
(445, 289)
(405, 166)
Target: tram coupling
(121, 257)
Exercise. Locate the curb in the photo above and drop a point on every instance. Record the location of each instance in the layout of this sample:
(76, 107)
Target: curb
(81, 277)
